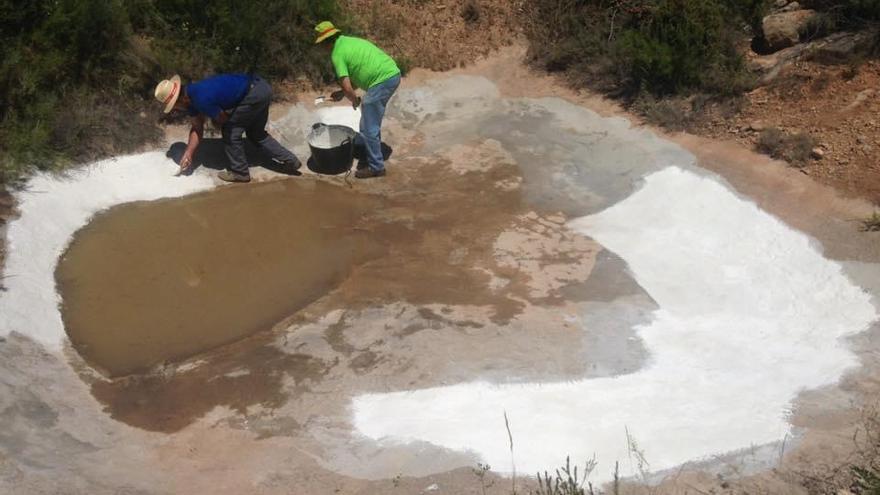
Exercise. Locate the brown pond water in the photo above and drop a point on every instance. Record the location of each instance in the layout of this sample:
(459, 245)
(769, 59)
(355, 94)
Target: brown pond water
(146, 283)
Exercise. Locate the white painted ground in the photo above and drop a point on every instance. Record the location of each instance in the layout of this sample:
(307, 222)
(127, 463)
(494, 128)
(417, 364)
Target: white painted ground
(750, 313)
(339, 115)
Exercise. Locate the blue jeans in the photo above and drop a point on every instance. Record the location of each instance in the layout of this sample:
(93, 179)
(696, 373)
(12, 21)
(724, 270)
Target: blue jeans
(372, 113)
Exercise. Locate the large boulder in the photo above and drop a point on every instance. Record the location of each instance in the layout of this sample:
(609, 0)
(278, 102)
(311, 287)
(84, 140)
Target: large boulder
(841, 48)
(784, 29)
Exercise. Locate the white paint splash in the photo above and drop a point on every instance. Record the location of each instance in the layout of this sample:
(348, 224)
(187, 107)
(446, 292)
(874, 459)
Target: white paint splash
(52, 209)
(340, 115)
(750, 314)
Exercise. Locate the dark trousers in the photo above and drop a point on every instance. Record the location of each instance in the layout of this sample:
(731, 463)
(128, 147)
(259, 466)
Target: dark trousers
(250, 117)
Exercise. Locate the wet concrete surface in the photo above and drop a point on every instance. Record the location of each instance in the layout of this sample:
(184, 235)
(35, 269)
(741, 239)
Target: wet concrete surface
(433, 260)
(477, 277)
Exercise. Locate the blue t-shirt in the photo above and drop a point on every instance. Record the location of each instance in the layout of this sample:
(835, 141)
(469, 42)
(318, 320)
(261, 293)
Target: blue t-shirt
(212, 95)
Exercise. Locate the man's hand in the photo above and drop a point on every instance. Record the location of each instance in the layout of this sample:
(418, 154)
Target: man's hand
(195, 137)
(186, 162)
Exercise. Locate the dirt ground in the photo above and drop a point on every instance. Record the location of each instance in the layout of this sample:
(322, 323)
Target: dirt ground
(412, 30)
(835, 105)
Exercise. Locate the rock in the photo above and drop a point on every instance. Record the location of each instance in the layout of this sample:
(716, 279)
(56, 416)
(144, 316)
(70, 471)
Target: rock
(791, 7)
(778, 4)
(839, 48)
(784, 29)
(757, 126)
(817, 153)
(432, 488)
(861, 98)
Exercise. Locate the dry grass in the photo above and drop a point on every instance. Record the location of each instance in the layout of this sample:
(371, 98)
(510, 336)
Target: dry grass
(872, 223)
(669, 113)
(793, 148)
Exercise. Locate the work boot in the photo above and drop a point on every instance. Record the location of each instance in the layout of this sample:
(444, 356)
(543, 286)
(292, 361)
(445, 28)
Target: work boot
(362, 164)
(292, 165)
(368, 173)
(233, 177)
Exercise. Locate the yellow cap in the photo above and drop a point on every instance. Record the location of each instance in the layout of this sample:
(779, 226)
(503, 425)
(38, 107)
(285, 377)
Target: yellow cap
(325, 30)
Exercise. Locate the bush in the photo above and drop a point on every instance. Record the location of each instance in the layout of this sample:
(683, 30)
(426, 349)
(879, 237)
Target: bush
(681, 45)
(794, 149)
(872, 224)
(668, 113)
(662, 47)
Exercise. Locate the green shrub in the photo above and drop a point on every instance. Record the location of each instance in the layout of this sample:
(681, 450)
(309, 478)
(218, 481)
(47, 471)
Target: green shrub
(661, 47)
(872, 224)
(677, 45)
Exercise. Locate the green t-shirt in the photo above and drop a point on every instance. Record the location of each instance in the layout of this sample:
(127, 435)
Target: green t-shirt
(362, 62)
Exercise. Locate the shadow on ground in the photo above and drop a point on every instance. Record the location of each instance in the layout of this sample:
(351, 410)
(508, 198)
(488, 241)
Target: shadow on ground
(212, 155)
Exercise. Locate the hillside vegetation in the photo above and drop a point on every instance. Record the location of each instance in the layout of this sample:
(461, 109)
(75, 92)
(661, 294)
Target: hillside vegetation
(664, 47)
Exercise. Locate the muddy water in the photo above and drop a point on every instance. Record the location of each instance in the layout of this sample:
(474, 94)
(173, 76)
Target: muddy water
(147, 283)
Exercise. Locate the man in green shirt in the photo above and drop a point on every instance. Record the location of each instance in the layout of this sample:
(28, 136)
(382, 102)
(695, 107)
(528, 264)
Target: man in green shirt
(360, 64)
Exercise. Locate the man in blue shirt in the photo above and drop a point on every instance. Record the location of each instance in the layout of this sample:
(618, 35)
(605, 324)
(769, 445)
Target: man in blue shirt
(238, 104)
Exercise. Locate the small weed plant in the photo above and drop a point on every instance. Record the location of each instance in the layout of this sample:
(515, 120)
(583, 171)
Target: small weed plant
(567, 480)
(793, 148)
(872, 224)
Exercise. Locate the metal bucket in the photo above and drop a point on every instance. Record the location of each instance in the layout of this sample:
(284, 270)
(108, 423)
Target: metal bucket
(332, 148)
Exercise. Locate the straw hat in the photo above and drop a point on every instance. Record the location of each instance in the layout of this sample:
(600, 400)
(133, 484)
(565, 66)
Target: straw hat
(168, 91)
(325, 30)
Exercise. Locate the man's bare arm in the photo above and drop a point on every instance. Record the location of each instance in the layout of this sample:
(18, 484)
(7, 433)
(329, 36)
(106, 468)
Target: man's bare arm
(196, 131)
(348, 89)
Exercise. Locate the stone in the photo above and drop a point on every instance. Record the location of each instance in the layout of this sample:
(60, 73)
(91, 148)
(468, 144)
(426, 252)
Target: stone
(778, 4)
(432, 488)
(791, 7)
(860, 100)
(839, 48)
(784, 29)
(757, 126)
(817, 153)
